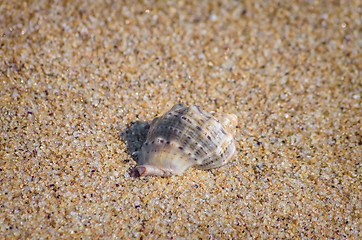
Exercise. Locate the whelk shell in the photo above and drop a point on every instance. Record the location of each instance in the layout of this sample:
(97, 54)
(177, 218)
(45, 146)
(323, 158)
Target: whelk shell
(185, 137)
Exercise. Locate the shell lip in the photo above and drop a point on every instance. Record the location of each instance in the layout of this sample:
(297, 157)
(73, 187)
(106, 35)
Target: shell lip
(140, 170)
(149, 170)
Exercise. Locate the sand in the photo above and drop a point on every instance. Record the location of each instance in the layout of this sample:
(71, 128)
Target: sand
(76, 76)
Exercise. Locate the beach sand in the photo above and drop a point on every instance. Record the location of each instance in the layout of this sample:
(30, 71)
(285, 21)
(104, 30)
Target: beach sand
(76, 76)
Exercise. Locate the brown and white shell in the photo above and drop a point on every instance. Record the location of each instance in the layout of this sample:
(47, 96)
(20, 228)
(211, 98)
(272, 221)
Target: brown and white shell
(185, 137)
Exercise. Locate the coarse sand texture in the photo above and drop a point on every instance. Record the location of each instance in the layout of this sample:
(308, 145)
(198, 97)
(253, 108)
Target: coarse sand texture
(80, 82)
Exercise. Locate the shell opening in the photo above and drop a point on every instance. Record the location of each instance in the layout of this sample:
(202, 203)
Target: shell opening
(141, 170)
(149, 170)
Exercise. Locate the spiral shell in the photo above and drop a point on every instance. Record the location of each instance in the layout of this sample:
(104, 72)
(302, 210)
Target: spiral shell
(185, 137)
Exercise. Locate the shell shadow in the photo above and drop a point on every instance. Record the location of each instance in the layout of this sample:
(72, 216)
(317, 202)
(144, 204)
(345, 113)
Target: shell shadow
(134, 135)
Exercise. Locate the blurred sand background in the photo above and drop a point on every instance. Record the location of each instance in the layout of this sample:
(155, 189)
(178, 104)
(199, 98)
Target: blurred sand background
(74, 75)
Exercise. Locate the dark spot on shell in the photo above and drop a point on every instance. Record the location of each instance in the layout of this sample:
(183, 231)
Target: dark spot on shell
(168, 142)
(208, 137)
(188, 120)
(198, 128)
(181, 148)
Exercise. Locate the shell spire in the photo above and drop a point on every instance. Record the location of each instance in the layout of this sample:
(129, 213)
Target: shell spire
(184, 137)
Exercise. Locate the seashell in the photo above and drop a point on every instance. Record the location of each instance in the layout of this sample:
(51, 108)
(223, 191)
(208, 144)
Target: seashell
(185, 137)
